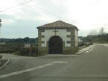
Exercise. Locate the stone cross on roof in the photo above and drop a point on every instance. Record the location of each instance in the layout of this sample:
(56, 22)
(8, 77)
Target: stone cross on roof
(55, 31)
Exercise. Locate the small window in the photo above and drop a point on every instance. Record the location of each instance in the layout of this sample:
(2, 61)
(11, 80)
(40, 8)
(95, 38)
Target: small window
(42, 30)
(68, 35)
(42, 41)
(68, 41)
(42, 36)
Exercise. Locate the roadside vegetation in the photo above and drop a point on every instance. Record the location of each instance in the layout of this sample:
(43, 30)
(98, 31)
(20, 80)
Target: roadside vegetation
(98, 38)
(19, 46)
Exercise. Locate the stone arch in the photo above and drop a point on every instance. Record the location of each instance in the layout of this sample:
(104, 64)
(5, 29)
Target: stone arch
(55, 45)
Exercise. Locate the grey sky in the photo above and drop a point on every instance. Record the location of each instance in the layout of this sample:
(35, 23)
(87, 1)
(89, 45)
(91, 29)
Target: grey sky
(21, 17)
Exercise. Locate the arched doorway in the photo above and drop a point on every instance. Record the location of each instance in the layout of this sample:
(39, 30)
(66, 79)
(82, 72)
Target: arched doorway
(55, 45)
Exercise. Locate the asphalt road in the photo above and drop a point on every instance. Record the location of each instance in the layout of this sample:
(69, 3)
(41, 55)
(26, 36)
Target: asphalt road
(91, 65)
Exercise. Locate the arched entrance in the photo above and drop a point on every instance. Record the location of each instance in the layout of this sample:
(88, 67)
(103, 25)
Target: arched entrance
(55, 45)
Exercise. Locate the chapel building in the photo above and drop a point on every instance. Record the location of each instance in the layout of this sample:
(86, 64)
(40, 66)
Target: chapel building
(58, 37)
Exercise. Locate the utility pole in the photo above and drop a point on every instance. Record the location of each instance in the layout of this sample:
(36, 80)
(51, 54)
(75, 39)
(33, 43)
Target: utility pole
(101, 31)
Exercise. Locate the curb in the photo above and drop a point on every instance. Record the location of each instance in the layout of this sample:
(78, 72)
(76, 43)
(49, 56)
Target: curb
(79, 53)
(5, 64)
(76, 54)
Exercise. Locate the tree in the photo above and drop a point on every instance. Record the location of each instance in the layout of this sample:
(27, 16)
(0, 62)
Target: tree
(27, 40)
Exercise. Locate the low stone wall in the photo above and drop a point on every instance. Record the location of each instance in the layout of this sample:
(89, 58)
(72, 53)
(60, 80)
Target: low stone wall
(70, 50)
(44, 51)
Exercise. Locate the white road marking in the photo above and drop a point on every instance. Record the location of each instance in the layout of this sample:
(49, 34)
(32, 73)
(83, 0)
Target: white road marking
(31, 69)
(87, 51)
(91, 49)
(106, 45)
(60, 62)
(59, 55)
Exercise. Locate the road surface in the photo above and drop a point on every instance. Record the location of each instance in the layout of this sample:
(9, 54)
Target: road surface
(91, 65)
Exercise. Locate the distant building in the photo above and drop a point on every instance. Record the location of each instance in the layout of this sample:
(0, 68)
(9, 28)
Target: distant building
(57, 38)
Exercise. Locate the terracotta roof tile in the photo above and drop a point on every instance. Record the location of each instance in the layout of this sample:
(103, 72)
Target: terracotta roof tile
(58, 24)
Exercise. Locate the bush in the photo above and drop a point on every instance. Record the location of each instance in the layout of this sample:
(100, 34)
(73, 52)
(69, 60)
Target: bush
(9, 48)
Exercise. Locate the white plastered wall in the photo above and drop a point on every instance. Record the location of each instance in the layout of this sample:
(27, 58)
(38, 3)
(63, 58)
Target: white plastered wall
(76, 38)
(48, 33)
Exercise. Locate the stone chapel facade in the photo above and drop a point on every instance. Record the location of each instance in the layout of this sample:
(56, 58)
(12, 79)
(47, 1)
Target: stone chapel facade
(57, 38)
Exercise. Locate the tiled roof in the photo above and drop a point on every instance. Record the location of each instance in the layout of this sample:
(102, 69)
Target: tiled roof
(58, 24)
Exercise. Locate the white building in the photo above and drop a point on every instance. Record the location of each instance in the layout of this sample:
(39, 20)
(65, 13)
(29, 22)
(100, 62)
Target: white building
(57, 38)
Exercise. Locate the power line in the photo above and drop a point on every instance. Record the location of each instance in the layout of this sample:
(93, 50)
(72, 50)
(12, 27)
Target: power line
(19, 5)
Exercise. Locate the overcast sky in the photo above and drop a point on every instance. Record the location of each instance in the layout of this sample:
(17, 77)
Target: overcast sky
(21, 17)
